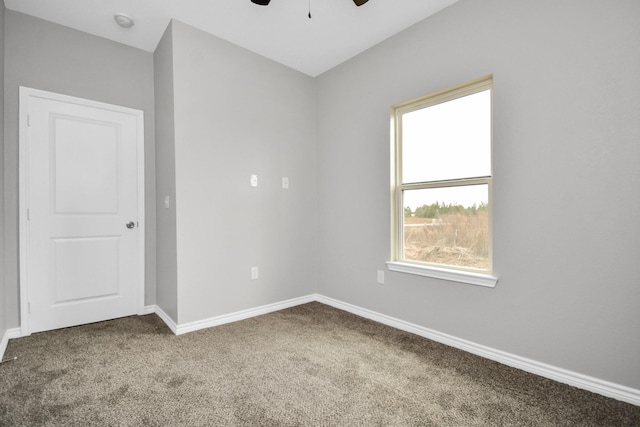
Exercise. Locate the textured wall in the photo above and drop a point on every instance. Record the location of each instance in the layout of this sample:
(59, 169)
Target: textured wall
(566, 155)
(167, 285)
(238, 114)
(3, 293)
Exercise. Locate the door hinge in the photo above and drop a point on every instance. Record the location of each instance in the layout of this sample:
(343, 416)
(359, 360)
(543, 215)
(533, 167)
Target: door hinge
(29, 307)
(28, 215)
(28, 120)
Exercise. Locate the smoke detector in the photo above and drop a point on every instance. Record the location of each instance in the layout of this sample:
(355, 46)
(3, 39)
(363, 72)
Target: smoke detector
(124, 20)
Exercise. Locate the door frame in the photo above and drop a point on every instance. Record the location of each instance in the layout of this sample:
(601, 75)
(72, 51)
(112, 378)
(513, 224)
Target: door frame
(26, 94)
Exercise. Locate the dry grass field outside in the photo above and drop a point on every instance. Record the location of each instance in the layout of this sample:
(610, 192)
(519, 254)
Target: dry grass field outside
(453, 239)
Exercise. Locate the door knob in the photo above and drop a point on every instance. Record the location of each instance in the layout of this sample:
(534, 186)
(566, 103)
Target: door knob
(131, 224)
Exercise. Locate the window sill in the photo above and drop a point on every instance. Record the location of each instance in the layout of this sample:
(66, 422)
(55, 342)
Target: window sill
(468, 277)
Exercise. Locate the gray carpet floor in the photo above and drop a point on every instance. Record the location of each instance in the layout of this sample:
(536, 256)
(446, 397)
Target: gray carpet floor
(310, 365)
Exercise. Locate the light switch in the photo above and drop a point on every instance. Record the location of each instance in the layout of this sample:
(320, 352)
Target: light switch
(166, 202)
(285, 182)
(254, 180)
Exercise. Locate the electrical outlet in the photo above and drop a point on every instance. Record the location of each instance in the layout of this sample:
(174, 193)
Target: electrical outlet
(254, 273)
(381, 277)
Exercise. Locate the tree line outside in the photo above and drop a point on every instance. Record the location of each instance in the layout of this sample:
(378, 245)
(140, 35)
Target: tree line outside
(437, 210)
(449, 234)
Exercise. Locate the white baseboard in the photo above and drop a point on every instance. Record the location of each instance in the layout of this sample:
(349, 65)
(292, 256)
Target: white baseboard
(9, 334)
(184, 328)
(595, 385)
(167, 320)
(148, 309)
(241, 315)
(3, 344)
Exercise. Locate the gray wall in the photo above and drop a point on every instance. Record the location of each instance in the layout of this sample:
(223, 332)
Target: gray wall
(167, 281)
(47, 56)
(3, 301)
(237, 114)
(566, 156)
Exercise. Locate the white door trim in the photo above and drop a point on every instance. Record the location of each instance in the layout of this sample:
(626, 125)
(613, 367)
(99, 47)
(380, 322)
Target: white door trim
(23, 166)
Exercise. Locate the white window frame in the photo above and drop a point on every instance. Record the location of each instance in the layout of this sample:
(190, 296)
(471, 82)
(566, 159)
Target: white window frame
(461, 274)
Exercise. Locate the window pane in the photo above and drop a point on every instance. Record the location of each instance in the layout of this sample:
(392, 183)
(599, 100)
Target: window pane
(447, 225)
(451, 140)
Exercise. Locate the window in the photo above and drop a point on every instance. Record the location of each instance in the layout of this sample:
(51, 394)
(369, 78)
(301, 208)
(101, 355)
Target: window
(441, 204)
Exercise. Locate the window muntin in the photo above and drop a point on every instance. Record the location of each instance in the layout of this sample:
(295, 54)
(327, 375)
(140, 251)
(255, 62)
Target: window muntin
(442, 179)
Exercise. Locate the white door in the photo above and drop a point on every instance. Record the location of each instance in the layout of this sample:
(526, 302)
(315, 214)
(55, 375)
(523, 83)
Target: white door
(83, 257)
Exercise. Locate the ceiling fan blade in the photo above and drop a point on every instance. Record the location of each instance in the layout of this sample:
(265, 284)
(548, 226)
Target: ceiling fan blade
(262, 2)
(360, 2)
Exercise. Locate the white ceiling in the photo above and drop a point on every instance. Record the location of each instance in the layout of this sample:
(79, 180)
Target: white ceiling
(337, 31)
